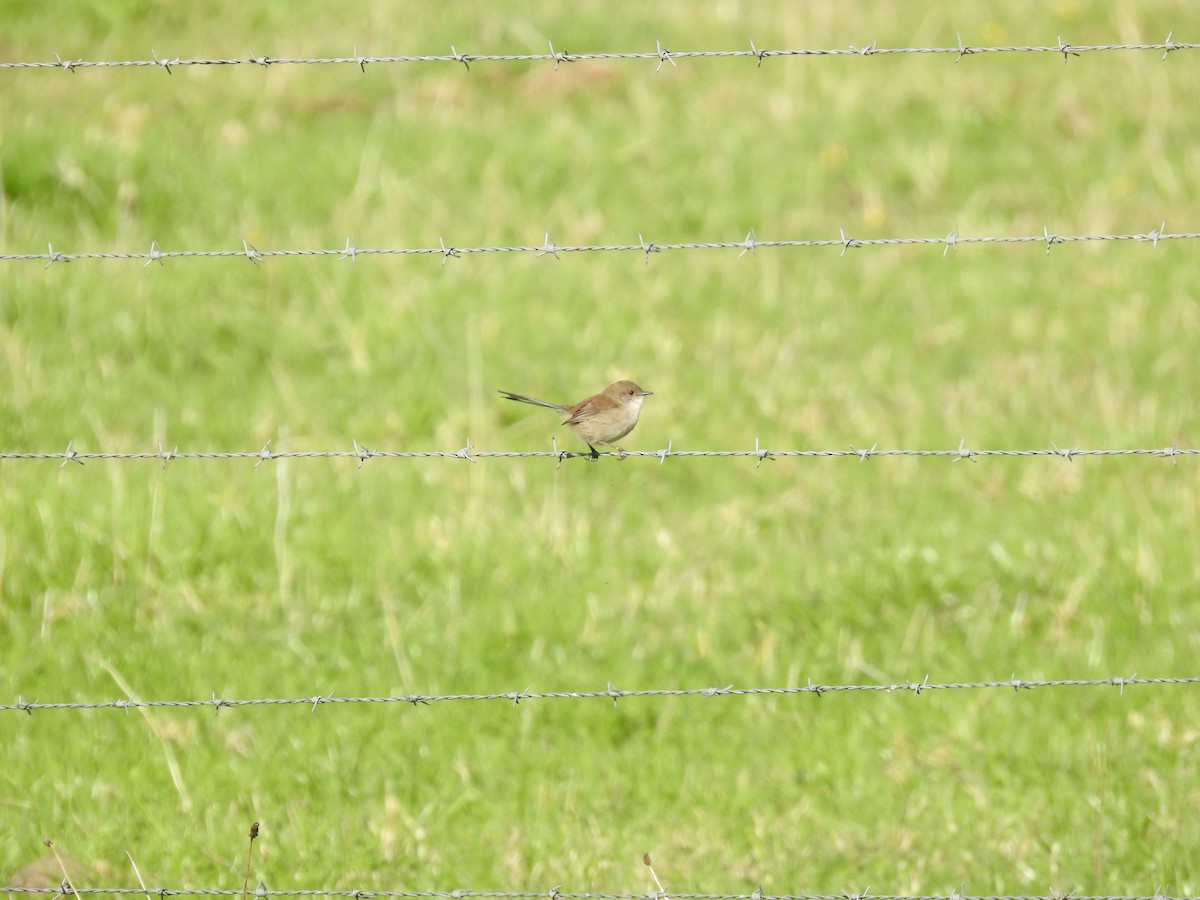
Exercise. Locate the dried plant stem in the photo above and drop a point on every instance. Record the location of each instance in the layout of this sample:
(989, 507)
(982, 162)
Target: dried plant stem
(249, 854)
(662, 893)
(138, 874)
(67, 878)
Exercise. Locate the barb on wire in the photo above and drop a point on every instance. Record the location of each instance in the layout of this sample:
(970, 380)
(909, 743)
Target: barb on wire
(167, 455)
(1169, 45)
(751, 243)
(361, 454)
(155, 255)
(265, 454)
(642, 245)
(915, 688)
(761, 54)
(664, 55)
(447, 252)
(70, 455)
(1154, 235)
(249, 251)
(660, 55)
(1065, 49)
(1169, 452)
(963, 49)
(53, 257)
(761, 453)
(864, 455)
(164, 63)
(1051, 239)
(548, 249)
(559, 58)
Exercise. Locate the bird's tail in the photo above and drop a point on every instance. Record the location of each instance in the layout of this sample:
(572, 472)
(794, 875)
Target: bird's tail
(521, 398)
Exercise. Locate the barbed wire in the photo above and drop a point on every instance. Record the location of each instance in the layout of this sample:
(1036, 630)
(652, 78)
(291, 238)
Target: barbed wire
(750, 244)
(556, 893)
(469, 452)
(660, 54)
(611, 692)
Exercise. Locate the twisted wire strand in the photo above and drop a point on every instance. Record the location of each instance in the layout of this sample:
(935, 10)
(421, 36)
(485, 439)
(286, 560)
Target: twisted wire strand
(469, 452)
(610, 693)
(660, 54)
(749, 244)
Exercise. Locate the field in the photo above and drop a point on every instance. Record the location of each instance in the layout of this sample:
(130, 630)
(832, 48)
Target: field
(302, 577)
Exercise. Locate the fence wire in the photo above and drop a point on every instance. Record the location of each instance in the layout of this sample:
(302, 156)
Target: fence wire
(750, 244)
(659, 55)
(916, 688)
(556, 893)
(469, 452)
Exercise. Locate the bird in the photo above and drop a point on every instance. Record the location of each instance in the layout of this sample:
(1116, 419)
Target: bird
(602, 418)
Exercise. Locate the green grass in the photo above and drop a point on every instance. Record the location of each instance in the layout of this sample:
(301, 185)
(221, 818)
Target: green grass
(302, 577)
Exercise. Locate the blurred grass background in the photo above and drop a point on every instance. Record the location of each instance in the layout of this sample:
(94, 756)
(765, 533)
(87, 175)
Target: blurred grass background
(304, 577)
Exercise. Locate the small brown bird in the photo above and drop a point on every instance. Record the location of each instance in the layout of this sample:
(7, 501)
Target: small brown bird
(602, 418)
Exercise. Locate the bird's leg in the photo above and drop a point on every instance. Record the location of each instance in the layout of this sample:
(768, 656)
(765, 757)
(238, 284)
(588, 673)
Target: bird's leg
(620, 451)
(595, 453)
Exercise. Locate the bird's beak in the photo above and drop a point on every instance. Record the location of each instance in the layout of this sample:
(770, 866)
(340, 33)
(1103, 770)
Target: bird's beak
(647, 393)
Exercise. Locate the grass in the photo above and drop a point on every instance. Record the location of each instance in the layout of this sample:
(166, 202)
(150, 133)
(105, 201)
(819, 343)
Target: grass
(303, 577)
